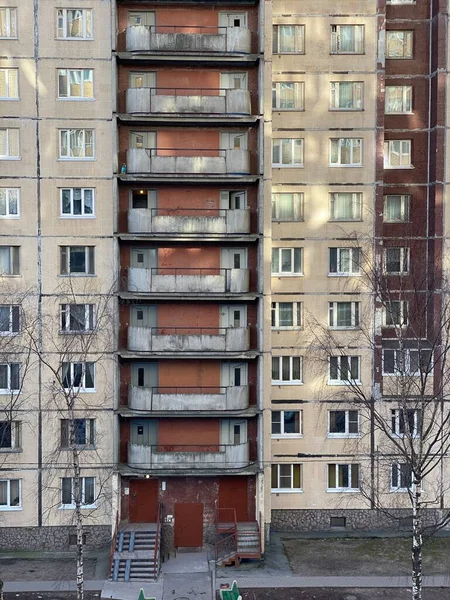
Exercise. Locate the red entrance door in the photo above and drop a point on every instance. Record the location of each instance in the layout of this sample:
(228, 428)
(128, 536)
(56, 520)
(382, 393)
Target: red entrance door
(188, 525)
(143, 500)
(233, 493)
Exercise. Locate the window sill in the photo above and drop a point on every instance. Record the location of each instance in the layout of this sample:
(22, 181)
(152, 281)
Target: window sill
(283, 53)
(11, 450)
(7, 99)
(399, 57)
(288, 328)
(10, 508)
(358, 220)
(288, 221)
(347, 53)
(77, 275)
(399, 490)
(74, 159)
(396, 222)
(10, 158)
(346, 166)
(342, 436)
(343, 490)
(284, 491)
(396, 114)
(388, 168)
(349, 328)
(74, 39)
(283, 383)
(287, 436)
(282, 110)
(346, 110)
(9, 392)
(344, 274)
(287, 274)
(73, 507)
(11, 217)
(346, 383)
(7, 37)
(71, 217)
(288, 166)
(75, 99)
(82, 332)
(80, 390)
(78, 447)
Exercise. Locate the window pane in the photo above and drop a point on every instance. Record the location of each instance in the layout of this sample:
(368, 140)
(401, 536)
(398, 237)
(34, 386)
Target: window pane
(14, 492)
(276, 421)
(3, 493)
(66, 490)
(286, 314)
(89, 496)
(291, 422)
(275, 368)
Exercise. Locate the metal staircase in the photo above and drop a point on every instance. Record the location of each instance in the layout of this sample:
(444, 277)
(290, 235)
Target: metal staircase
(236, 540)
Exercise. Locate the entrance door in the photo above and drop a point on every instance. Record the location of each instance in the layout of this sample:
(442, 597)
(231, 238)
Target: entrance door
(233, 316)
(143, 500)
(233, 374)
(144, 374)
(233, 493)
(233, 200)
(143, 316)
(188, 525)
(143, 259)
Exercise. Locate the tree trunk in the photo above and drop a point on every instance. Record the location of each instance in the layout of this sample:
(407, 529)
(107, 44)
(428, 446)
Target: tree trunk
(79, 522)
(417, 542)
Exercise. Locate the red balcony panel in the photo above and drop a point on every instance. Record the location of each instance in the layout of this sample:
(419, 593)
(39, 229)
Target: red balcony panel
(188, 435)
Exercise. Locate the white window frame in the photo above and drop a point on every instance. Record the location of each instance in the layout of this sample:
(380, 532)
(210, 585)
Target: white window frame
(346, 433)
(9, 96)
(404, 260)
(402, 313)
(357, 96)
(83, 491)
(9, 131)
(14, 317)
(356, 203)
(355, 144)
(351, 362)
(16, 442)
(297, 206)
(297, 310)
(8, 506)
(65, 268)
(299, 39)
(355, 309)
(89, 318)
(8, 194)
(404, 153)
(396, 473)
(83, 214)
(298, 92)
(336, 39)
(287, 435)
(292, 272)
(290, 360)
(405, 44)
(351, 262)
(14, 262)
(339, 466)
(82, 72)
(82, 387)
(67, 133)
(10, 390)
(291, 489)
(292, 142)
(402, 362)
(405, 208)
(10, 19)
(407, 98)
(62, 22)
(399, 420)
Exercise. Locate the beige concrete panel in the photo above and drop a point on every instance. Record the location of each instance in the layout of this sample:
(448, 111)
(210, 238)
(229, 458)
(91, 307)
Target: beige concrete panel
(28, 456)
(26, 222)
(27, 279)
(23, 46)
(25, 165)
(322, 7)
(53, 223)
(27, 515)
(100, 107)
(25, 106)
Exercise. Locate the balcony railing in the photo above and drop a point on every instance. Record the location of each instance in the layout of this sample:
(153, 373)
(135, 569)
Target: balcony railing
(188, 221)
(188, 339)
(188, 280)
(188, 101)
(214, 456)
(188, 398)
(188, 38)
(192, 161)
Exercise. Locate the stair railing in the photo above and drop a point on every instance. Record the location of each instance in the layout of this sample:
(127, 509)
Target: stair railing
(113, 542)
(226, 537)
(260, 532)
(157, 541)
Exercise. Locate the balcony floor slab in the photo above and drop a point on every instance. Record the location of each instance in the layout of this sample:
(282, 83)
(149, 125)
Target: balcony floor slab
(128, 413)
(249, 355)
(189, 178)
(219, 58)
(250, 469)
(192, 119)
(212, 297)
(175, 237)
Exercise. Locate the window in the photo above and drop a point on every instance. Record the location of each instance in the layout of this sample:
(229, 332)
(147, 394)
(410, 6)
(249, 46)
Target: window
(397, 154)
(8, 22)
(9, 378)
(287, 207)
(74, 24)
(79, 375)
(343, 423)
(76, 83)
(289, 39)
(10, 494)
(9, 203)
(10, 438)
(286, 423)
(344, 369)
(9, 319)
(396, 313)
(401, 477)
(9, 84)
(345, 206)
(287, 152)
(286, 315)
(407, 362)
(77, 202)
(396, 261)
(77, 260)
(76, 318)
(345, 261)
(347, 39)
(83, 432)
(406, 422)
(9, 260)
(346, 95)
(76, 144)
(343, 478)
(288, 95)
(346, 152)
(9, 143)
(286, 478)
(396, 208)
(87, 492)
(343, 315)
(399, 44)
(398, 99)
(286, 370)
(286, 261)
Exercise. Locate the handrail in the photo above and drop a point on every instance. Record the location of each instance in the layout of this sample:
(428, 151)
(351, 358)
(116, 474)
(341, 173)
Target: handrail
(232, 532)
(157, 544)
(113, 542)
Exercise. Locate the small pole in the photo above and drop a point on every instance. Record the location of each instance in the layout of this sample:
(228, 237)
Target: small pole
(212, 568)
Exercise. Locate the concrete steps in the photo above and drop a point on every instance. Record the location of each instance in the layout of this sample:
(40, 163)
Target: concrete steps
(134, 556)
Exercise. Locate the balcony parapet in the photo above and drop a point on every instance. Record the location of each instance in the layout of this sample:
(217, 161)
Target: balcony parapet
(190, 222)
(188, 38)
(188, 398)
(187, 101)
(188, 339)
(188, 161)
(186, 280)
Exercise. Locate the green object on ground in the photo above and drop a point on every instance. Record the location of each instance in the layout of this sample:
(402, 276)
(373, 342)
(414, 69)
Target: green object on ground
(231, 593)
(142, 596)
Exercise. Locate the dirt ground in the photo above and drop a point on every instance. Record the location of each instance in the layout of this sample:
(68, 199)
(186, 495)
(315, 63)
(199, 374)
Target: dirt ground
(340, 594)
(366, 556)
(19, 569)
